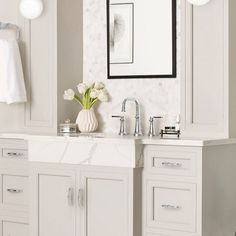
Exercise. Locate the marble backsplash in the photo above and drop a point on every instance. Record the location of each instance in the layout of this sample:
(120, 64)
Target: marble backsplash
(156, 96)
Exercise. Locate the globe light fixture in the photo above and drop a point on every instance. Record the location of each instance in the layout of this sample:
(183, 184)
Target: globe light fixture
(31, 9)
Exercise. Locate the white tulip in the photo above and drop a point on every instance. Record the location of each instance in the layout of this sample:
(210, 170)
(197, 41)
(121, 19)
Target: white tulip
(99, 85)
(103, 96)
(82, 88)
(94, 93)
(69, 94)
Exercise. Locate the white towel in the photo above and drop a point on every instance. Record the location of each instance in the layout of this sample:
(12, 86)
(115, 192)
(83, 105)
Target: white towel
(12, 85)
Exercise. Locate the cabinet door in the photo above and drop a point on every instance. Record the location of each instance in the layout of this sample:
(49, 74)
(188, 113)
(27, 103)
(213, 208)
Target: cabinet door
(204, 75)
(53, 203)
(105, 204)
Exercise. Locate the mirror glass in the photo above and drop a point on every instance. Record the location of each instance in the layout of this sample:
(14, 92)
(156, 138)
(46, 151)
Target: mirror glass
(141, 38)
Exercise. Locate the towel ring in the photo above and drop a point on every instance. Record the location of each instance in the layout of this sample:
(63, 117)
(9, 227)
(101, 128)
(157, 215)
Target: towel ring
(11, 26)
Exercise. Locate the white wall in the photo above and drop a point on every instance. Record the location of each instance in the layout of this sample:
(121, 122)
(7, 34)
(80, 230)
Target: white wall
(156, 96)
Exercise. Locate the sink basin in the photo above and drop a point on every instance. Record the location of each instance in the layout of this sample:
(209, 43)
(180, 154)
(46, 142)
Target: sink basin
(86, 149)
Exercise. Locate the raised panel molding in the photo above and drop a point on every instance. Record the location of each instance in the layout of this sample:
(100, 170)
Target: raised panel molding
(41, 69)
(205, 67)
(52, 51)
(171, 206)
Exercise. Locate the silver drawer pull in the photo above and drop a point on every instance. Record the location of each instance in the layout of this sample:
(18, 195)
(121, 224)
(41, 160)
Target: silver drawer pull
(80, 197)
(171, 207)
(10, 190)
(171, 164)
(70, 196)
(15, 154)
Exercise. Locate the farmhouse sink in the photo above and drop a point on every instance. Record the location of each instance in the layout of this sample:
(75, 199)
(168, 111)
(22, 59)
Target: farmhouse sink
(86, 149)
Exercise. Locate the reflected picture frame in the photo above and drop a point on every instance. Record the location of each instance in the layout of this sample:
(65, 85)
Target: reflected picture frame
(110, 5)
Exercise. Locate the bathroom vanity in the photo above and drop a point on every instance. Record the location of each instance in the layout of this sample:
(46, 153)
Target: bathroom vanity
(108, 185)
(85, 186)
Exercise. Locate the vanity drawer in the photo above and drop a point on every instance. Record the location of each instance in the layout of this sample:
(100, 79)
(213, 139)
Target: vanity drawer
(171, 206)
(15, 190)
(14, 153)
(14, 229)
(171, 162)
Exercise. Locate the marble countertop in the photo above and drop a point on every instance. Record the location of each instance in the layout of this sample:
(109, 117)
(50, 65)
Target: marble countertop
(99, 149)
(113, 138)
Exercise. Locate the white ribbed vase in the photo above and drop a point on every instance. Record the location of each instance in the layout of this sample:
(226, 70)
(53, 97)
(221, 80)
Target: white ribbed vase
(87, 121)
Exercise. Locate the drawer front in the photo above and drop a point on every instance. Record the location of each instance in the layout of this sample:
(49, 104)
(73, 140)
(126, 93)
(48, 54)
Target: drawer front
(14, 153)
(171, 206)
(14, 229)
(15, 190)
(171, 162)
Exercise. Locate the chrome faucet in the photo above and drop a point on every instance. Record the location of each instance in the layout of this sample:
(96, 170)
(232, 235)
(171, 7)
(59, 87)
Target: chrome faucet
(137, 131)
(122, 124)
(151, 132)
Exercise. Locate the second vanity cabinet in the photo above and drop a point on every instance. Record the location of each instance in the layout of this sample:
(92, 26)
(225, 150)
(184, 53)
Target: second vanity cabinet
(171, 190)
(189, 190)
(88, 201)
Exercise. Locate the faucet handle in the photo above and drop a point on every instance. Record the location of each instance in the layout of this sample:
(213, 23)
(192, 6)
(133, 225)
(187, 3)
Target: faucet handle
(122, 125)
(155, 117)
(151, 132)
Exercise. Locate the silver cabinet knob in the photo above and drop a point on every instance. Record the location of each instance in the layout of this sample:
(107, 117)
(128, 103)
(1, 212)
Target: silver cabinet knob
(151, 132)
(15, 154)
(171, 207)
(10, 190)
(171, 164)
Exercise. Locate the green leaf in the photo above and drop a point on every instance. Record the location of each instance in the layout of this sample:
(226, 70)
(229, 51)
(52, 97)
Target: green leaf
(78, 99)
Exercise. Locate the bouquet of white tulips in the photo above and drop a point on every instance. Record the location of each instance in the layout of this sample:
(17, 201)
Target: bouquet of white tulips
(90, 94)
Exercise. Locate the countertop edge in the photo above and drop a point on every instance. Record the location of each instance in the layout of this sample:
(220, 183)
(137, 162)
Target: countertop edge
(201, 142)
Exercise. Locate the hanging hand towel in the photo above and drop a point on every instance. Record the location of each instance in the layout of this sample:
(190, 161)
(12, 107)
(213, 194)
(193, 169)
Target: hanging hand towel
(12, 85)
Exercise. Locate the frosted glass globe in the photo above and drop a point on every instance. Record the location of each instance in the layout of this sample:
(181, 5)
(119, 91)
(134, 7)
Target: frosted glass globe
(199, 2)
(31, 9)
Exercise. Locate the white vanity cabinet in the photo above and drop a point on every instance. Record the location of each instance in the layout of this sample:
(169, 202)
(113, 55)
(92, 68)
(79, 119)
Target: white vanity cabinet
(208, 72)
(84, 201)
(14, 188)
(189, 190)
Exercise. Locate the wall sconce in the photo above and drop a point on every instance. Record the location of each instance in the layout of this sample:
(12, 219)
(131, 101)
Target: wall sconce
(31, 9)
(199, 2)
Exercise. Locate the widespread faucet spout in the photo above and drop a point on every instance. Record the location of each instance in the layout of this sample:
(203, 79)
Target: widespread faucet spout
(137, 131)
(132, 100)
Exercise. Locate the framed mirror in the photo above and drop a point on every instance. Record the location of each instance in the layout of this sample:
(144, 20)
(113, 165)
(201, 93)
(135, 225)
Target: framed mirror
(141, 39)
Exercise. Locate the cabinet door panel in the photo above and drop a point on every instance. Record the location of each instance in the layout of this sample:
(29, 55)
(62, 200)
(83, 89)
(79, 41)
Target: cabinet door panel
(205, 70)
(14, 229)
(56, 213)
(171, 206)
(105, 205)
(52, 205)
(15, 190)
